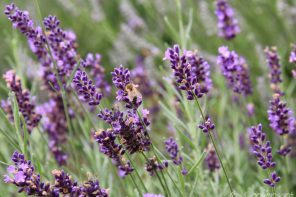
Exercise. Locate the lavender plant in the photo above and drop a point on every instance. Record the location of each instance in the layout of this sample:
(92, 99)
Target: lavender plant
(73, 117)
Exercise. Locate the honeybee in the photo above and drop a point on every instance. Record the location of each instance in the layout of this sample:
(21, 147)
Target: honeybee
(132, 92)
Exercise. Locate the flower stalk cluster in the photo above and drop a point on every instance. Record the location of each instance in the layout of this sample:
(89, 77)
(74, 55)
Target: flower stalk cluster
(56, 52)
(191, 72)
(262, 150)
(22, 174)
(54, 48)
(26, 106)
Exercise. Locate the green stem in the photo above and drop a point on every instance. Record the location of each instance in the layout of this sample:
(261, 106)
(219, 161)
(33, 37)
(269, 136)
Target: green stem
(163, 187)
(137, 173)
(153, 149)
(216, 149)
(140, 193)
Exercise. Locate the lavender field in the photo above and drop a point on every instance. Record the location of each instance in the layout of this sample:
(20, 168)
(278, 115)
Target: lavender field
(148, 98)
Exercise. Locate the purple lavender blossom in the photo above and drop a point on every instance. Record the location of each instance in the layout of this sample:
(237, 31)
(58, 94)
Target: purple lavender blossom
(152, 166)
(227, 24)
(292, 58)
(273, 61)
(92, 188)
(26, 106)
(55, 125)
(281, 118)
(62, 44)
(106, 140)
(97, 72)
(6, 106)
(235, 70)
(285, 150)
(172, 148)
(64, 183)
(272, 180)
(86, 90)
(260, 147)
(191, 72)
(263, 151)
(22, 174)
(127, 91)
(207, 126)
(130, 127)
(152, 195)
(212, 160)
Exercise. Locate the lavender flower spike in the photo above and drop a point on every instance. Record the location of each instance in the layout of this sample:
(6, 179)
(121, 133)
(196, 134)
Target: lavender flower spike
(26, 106)
(152, 166)
(127, 91)
(192, 73)
(22, 174)
(207, 126)
(106, 140)
(227, 24)
(235, 70)
(97, 72)
(172, 148)
(272, 180)
(281, 118)
(212, 160)
(85, 88)
(262, 150)
(273, 61)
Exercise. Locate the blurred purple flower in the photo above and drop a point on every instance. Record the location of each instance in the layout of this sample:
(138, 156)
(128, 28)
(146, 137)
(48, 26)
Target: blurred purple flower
(55, 125)
(227, 24)
(273, 61)
(97, 72)
(172, 148)
(235, 70)
(152, 166)
(292, 58)
(272, 180)
(250, 109)
(212, 160)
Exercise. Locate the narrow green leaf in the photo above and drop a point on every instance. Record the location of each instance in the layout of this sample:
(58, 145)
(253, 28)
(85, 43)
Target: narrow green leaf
(198, 162)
